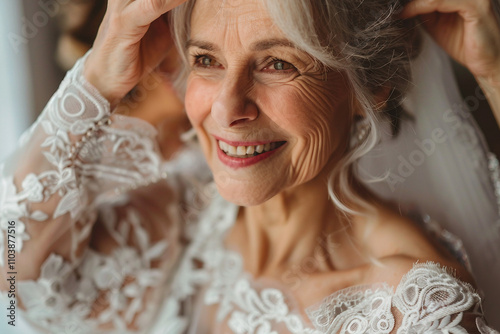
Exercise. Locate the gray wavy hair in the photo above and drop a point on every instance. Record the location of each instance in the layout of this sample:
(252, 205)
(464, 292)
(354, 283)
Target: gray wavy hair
(363, 38)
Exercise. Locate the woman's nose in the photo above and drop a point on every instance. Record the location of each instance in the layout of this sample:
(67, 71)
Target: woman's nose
(233, 106)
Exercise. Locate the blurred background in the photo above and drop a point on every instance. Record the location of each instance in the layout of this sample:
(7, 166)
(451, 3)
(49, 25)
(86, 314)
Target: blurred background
(41, 39)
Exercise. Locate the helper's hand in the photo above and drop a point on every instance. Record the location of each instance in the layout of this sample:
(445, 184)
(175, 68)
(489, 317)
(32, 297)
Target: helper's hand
(467, 29)
(132, 40)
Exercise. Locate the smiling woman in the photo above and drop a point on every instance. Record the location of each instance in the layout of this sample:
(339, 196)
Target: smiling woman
(290, 65)
(262, 223)
(256, 79)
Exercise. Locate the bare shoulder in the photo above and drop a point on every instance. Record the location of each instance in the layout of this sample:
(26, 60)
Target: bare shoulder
(392, 269)
(397, 244)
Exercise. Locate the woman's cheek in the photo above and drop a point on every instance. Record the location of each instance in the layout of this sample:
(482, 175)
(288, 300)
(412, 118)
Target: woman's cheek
(306, 116)
(199, 97)
(323, 116)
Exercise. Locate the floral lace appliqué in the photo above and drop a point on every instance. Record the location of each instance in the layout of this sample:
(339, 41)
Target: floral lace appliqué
(355, 310)
(430, 298)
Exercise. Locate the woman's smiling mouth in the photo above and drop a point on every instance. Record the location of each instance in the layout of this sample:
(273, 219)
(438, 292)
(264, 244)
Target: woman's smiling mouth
(248, 151)
(240, 154)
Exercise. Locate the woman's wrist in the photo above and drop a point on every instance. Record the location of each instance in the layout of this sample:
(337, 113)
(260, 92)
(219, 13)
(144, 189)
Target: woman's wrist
(97, 77)
(95, 80)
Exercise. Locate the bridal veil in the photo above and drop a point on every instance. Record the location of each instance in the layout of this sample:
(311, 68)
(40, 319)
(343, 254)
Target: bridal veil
(440, 166)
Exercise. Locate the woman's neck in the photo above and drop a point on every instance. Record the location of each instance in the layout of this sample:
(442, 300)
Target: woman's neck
(295, 225)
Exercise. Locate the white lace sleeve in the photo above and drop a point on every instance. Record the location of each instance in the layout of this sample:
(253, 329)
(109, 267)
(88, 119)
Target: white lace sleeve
(82, 256)
(429, 299)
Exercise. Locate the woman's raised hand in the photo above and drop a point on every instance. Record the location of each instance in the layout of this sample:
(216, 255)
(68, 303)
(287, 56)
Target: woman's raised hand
(132, 40)
(467, 29)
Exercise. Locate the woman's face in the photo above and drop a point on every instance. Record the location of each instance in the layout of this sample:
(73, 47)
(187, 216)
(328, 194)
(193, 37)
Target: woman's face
(267, 116)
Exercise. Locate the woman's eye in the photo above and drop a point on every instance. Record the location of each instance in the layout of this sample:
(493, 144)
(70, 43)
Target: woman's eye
(206, 61)
(278, 65)
(282, 66)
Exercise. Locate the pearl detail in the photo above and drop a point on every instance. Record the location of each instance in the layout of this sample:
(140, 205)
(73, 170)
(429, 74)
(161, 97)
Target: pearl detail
(91, 132)
(361, 131)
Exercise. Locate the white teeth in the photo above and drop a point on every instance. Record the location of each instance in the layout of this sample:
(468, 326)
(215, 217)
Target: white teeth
(242, 151)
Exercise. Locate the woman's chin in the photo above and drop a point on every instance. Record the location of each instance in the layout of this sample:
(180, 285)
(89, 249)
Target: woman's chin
(243, 196)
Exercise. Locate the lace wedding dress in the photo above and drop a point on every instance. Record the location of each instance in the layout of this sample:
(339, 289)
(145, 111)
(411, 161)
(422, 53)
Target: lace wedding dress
(109, 239)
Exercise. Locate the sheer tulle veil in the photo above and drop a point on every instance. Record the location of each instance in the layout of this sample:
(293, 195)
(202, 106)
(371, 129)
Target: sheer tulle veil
(440, 166)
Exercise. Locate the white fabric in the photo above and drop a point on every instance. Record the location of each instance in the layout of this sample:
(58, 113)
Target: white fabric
(426, 296)
(438, 165)
(118, 240)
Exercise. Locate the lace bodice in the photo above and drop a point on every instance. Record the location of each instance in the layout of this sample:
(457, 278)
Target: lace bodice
(108, 238)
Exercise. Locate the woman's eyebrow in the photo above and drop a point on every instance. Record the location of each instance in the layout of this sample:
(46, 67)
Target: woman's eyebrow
(256, 46)
(271, 43)
(202, 45)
